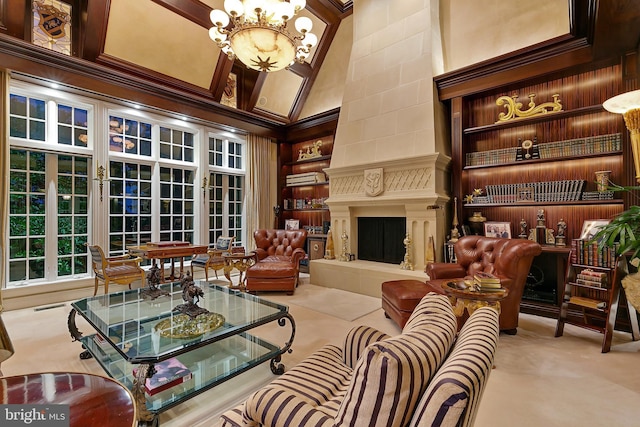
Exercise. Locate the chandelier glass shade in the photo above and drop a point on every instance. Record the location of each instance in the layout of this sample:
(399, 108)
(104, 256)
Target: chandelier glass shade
(255, 32)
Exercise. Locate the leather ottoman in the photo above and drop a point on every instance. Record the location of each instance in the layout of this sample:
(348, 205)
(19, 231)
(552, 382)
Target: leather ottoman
(400, 298)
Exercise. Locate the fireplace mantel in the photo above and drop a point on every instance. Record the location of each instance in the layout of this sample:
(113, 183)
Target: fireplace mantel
(414, 188)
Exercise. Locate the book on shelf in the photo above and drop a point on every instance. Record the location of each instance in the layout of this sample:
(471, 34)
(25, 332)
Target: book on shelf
(587, 253)
(169, 373)
(591, 283)
(588, 302)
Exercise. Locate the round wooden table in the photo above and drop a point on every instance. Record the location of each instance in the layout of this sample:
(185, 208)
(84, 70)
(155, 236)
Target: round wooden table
(92, 400)
(241, 262)
(465, 298)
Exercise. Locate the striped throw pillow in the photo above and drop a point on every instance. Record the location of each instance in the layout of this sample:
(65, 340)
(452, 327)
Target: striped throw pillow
(391, 375)
(453, 395)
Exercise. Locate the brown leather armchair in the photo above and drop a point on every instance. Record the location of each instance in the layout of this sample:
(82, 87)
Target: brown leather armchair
(279, 253)
(509, 259)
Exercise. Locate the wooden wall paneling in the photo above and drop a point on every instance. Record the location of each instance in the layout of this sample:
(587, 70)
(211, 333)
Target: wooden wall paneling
(15, 18)
(582, 91)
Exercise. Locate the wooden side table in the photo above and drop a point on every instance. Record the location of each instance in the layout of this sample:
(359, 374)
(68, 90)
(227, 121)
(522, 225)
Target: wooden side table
(241, 262)
(92, 400)
(470, 300)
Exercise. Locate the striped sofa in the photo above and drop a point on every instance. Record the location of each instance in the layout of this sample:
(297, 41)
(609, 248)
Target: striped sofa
(425, 376)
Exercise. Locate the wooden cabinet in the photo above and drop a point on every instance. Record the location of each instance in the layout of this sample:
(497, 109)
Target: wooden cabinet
(512, 170)
(304, 185)
(592, 286)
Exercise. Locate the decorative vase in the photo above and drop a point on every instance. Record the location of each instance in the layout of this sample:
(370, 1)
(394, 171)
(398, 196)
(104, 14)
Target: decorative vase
(476, 223)
(602, 180)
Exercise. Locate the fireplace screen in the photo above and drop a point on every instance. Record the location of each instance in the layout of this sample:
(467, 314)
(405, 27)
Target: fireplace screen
(380, 239)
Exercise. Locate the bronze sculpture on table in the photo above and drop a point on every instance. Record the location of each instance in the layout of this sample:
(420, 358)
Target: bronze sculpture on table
(153, 281)
(191, 295)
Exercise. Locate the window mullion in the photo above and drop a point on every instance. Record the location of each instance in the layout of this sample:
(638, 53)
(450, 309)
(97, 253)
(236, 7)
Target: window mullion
(51, 217)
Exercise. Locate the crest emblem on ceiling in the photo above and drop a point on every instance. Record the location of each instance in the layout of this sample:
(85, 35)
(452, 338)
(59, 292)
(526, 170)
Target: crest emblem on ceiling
(52, 20)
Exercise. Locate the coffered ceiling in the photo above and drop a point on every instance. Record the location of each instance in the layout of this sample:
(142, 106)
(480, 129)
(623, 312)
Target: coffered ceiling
(166, 42)
(169, 38)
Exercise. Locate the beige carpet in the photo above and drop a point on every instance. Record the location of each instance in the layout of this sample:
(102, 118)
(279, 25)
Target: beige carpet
(334, 302)
(538, 381)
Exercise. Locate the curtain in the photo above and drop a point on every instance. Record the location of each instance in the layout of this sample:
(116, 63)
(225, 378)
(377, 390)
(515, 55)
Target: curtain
(4, 173)
(261, 184)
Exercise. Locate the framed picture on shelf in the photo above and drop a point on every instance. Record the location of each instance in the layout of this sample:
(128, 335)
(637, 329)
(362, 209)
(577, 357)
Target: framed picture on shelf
(497, 229)
(292, 224)
(590, 227)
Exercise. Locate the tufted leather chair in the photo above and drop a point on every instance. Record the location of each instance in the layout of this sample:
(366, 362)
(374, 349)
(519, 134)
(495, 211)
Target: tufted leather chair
(509, 259)
(279, 253)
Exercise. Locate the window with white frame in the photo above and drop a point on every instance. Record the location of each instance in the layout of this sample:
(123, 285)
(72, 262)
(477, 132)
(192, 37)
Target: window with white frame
(176, 144)
(130, 212)
(151, 183)
(176, 204)
(129, 136)
(151, 178)
(27, 117)
(42, 245)
(48, 188)
(226, 189)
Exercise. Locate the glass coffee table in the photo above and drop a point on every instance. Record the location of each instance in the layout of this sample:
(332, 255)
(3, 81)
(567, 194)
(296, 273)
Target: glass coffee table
(133, 333)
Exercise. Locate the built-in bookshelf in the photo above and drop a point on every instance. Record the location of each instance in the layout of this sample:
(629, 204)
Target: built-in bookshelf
(510, 170)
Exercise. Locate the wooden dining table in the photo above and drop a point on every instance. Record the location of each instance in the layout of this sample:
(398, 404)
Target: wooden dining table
(67, 399)
(167, 250)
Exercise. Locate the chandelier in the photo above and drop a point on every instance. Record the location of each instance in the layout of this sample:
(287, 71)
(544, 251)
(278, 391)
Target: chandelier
(258, 35)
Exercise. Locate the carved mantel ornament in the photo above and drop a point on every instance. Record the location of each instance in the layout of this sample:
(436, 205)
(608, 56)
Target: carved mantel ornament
(373, 182)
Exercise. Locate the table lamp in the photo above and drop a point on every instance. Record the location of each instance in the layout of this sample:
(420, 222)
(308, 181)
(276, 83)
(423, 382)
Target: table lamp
(628, 104)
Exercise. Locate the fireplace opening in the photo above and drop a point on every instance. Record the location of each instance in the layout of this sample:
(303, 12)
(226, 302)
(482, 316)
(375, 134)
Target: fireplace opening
(380, 239)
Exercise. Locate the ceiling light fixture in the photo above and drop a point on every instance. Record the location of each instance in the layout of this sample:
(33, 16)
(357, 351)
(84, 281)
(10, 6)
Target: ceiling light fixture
(258, 35)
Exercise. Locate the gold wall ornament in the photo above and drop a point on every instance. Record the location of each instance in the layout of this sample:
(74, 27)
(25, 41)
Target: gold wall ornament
(204, 186)
(312, 152)
(514, 108)
(101, 178)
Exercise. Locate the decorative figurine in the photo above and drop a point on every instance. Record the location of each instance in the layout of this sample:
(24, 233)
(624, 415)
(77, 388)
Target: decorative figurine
(561, 239)
(406, 263)
(540, 218)
(542, 235)
(523, 229)
(191, 295)
(153, 281)
(276, 213)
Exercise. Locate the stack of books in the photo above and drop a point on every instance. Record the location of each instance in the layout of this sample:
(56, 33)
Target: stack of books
(169, 373)
(588, 277)
(487, 282)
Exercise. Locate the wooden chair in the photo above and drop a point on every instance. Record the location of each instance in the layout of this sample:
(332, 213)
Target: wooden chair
(122, 269)
(213, 258)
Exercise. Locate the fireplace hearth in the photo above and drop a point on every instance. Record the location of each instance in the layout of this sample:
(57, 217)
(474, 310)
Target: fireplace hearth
(380, 239)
